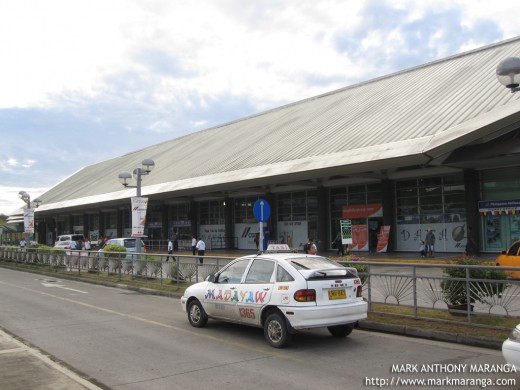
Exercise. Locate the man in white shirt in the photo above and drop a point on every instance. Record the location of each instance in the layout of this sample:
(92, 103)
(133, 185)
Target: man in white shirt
(201, 247)
(193, 245)
(170, 249)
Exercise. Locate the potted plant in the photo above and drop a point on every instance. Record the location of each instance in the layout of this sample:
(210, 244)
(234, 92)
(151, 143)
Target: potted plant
(484, 283)
(112, 252)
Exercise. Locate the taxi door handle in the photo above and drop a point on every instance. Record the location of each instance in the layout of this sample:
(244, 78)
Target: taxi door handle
(266, 289)
(232, 288)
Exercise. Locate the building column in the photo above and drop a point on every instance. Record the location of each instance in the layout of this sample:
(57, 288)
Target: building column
(323, 238)
(229, 234)
(165, 214)
(388, 201)
(86, 225)
(101, 225)
(471, 194)
(194, 218)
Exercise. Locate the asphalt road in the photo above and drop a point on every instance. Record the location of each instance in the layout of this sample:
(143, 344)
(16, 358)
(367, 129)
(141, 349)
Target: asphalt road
(126, 340)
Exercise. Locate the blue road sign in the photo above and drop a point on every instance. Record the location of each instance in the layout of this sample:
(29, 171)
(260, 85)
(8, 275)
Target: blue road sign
(261, 210)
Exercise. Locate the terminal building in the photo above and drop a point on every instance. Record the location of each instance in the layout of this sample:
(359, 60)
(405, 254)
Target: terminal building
(434, 147)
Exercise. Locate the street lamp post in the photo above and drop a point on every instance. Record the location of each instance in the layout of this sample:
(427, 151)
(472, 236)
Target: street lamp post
(27, 199)
(126, 178)
(508, 73)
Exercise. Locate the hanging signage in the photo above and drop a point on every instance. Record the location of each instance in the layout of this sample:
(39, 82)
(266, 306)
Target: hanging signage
(362, 211)
(28, 221)
(139, 206)
(499, 206)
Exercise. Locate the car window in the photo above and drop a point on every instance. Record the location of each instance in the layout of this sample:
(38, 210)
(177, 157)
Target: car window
(282, 275)
(233, 273)
(260, 271)
(129, 243)
(513, 250)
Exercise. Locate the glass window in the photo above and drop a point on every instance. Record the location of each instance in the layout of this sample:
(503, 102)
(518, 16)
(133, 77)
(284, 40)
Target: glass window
(233, 273)
(261, 271)
(211, 213)
(110, 220)
(284, 207)
(282, 275)
(513, 251)
(503, 184)
(357, 195)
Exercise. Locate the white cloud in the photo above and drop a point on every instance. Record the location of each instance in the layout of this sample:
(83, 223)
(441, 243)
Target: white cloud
(81, 75)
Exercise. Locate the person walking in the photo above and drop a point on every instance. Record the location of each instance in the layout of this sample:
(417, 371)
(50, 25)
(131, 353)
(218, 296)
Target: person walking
(201, 248)
(429, 240)
(170, 249)
(338, 244)
(87, 245)
(193, 245)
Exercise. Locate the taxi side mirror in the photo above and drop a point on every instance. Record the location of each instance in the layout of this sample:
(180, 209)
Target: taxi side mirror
(504, 252)
(211, 278)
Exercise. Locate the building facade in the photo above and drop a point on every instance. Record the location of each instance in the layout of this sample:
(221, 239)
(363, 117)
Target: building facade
(386, 155)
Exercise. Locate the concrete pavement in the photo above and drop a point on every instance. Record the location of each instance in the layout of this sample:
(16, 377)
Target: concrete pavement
(24, 367)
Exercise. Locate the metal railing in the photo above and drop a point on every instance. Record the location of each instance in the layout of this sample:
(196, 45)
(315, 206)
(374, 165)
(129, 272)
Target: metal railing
(408, 285)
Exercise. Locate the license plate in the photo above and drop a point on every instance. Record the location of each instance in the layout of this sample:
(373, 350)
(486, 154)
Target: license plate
(337, 294)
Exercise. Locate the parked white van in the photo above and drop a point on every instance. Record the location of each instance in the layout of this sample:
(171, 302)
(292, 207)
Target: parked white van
(68, 237)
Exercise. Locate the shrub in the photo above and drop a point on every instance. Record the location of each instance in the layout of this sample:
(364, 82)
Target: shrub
(45, 249)
(115, 249)
(455, 291)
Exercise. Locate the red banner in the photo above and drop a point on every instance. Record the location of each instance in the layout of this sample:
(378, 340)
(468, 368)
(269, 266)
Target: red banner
(382, 239)
(359, 238)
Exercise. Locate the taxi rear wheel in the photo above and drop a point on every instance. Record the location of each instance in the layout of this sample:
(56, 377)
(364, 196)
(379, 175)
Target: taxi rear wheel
(276, 332)
(340, 330)
(196, 314)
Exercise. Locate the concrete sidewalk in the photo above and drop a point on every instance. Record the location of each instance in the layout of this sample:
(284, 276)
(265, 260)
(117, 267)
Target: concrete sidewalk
(24, 367)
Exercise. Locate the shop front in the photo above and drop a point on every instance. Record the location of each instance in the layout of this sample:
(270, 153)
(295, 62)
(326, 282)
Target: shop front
(500, 223)
(368, 232)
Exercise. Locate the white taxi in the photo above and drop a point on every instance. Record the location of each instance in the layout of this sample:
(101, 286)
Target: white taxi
(281, 292)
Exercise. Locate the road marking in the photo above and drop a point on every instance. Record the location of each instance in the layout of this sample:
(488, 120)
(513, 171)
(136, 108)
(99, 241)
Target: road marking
(63, 287)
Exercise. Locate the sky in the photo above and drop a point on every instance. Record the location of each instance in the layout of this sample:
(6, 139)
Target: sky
(84, 81)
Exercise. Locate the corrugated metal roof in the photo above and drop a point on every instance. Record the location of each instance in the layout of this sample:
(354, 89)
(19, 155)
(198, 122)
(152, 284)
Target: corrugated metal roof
(407, 117)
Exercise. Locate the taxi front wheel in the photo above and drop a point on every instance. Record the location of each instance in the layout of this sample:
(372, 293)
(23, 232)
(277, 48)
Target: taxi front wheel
(340, 330)
(276, 332)
(196, 314)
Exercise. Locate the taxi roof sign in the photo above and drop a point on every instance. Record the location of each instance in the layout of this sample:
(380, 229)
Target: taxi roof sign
(278, 248)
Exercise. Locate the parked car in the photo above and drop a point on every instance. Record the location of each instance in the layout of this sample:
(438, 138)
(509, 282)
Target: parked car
(511, 258)
(67, 246)
(127, 242)
(280, 292)
(68, 237)
(511, 348)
